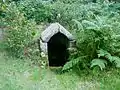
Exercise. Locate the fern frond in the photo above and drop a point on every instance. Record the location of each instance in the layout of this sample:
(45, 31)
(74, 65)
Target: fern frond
(116, 61)
(72, 63)
(104, 53)
(89, 24)
(79, 25)
(109, 57)
(99, 62)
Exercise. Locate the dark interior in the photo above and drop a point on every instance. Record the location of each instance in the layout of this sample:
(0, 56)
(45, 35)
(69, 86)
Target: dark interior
(57, 50)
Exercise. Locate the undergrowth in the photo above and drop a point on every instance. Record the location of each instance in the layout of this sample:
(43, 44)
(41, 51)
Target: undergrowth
(94, 25)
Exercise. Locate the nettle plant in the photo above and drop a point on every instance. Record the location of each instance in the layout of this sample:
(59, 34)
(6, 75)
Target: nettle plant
(19, 31)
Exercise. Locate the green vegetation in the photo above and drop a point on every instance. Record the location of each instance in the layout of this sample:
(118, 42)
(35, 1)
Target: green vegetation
(19, 74)
(93, 65)
(91, 24)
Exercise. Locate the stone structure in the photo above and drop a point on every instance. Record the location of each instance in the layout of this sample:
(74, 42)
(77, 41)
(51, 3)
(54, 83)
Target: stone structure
(55, 41)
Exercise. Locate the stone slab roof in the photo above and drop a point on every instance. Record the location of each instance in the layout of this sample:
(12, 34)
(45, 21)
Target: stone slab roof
(53, 29)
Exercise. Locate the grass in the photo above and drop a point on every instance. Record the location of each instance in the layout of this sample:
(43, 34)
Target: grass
(17, 74)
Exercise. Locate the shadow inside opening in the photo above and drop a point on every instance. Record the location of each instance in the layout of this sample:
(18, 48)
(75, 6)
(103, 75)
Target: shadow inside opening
(57, 50)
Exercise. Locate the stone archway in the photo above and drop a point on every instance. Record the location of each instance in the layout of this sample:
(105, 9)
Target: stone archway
(57, 50)
(54, 42)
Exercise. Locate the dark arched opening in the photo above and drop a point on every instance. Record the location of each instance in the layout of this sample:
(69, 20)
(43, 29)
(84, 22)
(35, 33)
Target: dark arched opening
(57, 50)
